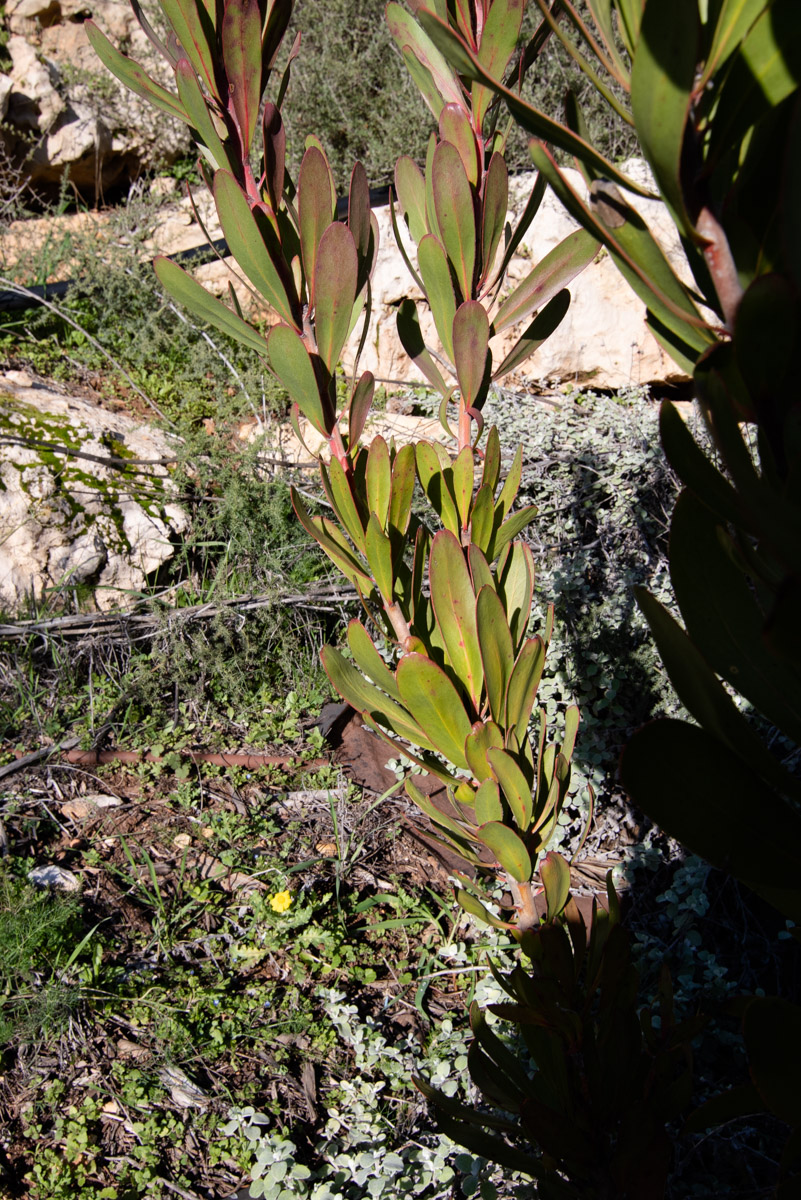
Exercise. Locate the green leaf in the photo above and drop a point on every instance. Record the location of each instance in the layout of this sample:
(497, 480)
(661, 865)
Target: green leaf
(378, 480)
(536, 333)
(706, 797)
(662, 95)
(462, 483)
(379, 557)
(432, 479)
(359, 409)
(188, 292)
(329, 537)
(511, 485)
(536, 122)
(523, 684)
(435, 706)
(510, 529)
(370, 661)
(497, 654)
(436, 274)
(555, 876)
(132, 75)
(482, 518)
(548, 278)
(343, 503)
(474, 906)
(368, 700)
(316, 208)
(470, 349)
(293, 367)
(735, 18)
(515, 585)
(194, 29)
(508, 849)
(638, 257)
(492, 460)
(456, 217)
(255, 246)
(572, 720)
(480, 572)
(359, 210)
(410, 188)
(488, 805)
(400, 505)
(454, 828)
(514, 785)
(455, 127)
(241, 54)
(196, 108)
(455, 609)
(430, 71)
(335, 272)
(411, 338)
(483, 736)
(494, 206)
(500, 35)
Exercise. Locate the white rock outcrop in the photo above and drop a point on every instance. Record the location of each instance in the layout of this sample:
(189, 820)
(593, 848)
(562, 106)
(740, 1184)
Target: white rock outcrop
(71, 511)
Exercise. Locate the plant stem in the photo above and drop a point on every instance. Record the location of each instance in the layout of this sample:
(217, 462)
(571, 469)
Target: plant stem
(523, 895)
(721, 264)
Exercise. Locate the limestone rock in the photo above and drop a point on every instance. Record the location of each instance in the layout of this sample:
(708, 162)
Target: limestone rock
(69, 520)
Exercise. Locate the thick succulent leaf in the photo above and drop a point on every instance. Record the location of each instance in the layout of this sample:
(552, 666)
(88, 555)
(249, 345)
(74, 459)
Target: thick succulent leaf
(518, 233)
(403, 475)
(462, 483)
(471, 904)
(293, 367)
(274, 133)
(410, 188)
(494, 206)
(456, 127)
(435, 706)
(511, 484)
(436, 275)
(483, 736)
(723, 618)
(555, 876)
(706, 797)
(482, 522)
(360, 404)
(772, 1033)
(572, 720)
(196, 108)
(455, 609)
(515, 586)
(523, 684)
(499, 36)
(241, 53)
(340, 497)
(514, 786)
(330, 538)
(553, 273)
(524, 113)
(488, 804)
(316, 207)
(456, 216)
(379, 557)
(432, 479)
(194, 28)
(470, 349)
(537, 332)
(411, 338)
(480, 571)
(255, 246)
(638, 257)
(602, 16)
(492, 460)
(279, 14)
(359, 209)
(445, 823)
(369, 661)
(336, 268)
(427, 66)
(368, 700)
(133, 76)
(662, 87)
(510, 529)
(378, 480)
(188, 292)
(693, 467)
(508, 849)
(497, 653)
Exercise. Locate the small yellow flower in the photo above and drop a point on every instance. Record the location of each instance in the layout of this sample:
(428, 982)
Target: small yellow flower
(280, 902)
